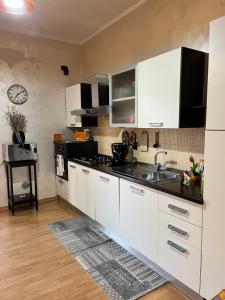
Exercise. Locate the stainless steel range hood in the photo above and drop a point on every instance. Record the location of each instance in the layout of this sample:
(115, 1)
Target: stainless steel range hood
(100, 98)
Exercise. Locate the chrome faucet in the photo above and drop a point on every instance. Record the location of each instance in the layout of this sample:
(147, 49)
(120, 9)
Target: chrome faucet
(158, 165)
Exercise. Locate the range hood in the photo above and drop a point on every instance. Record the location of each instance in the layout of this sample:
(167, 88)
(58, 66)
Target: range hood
(100, 98)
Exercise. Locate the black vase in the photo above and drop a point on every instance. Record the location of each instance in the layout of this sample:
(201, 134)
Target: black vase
(18, 137)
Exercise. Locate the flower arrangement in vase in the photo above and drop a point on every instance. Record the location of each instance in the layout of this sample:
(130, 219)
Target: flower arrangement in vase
(197, 169)
(18, 124)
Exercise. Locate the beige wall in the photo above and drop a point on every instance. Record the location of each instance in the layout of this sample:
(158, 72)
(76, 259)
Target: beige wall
(35, 64)
(153, 28)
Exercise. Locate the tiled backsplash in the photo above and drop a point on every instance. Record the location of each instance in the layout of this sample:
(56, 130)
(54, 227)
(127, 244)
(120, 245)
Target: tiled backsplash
(179, 143)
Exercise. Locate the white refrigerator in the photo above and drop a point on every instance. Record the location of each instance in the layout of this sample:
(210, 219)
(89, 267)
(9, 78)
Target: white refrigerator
(213, 241)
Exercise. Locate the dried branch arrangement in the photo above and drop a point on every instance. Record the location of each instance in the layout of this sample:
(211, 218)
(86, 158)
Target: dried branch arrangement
(16, 120)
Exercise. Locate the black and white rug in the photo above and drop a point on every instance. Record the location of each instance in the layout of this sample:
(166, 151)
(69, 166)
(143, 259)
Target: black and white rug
(120, 274)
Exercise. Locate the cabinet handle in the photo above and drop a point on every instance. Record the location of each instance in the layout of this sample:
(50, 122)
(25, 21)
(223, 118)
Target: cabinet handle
(85, 171)
(104, 178)
(134, 189)
(178, 209)
(155, 124)
(177, 230)
(72, 124)
(60, 181)
(177, 247)
(71, 166)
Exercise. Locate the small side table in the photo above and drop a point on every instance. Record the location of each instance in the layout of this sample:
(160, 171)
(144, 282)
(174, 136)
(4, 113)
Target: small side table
(27, 198)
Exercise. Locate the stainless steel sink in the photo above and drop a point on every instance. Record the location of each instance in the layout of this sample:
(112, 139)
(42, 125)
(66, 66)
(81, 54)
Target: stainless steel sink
(145, 173)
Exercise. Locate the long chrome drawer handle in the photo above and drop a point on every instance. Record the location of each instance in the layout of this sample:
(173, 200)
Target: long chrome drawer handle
(177, 230)
(178, 209)
(134, 189)
(104, 178)
(156, 124)
(85, 171)
(177, 247)
(71, 166)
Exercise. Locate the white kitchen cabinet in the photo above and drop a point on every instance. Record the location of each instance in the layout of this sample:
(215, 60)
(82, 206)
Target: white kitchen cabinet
(170, 91)
(159, 91)
(179, 240)
(180, 259)
(62, 188)
(216, 89)
(85, 201)
(181, 208)
(213, 242)
(106, 193)
(80, 188)
(123, 98)
(139, 218)
(73, 183)
(73, 102)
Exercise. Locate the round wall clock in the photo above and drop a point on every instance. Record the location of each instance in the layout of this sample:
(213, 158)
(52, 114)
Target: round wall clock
(17, 94)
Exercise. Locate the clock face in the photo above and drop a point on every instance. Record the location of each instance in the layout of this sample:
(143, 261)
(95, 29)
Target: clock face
(17, 94)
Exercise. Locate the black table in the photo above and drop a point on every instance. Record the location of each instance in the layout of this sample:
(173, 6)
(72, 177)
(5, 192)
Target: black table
(22, 199)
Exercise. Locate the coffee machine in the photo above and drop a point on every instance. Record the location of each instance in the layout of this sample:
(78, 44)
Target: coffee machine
(119, 151)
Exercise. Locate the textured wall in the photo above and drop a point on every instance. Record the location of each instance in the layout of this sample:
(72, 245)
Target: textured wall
(35, 64)
(153, 28)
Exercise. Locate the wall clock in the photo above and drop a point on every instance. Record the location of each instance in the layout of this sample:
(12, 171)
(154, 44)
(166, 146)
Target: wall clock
(17, 94)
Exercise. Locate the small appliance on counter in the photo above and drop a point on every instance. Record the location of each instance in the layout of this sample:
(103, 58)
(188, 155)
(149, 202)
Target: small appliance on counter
(70, 149)
(18, 152)
(119, 151)
(82, 135)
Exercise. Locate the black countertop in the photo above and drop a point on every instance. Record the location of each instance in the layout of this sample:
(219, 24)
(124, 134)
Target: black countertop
(172, 187)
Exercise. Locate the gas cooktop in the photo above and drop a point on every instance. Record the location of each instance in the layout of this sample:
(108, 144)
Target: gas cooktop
(92, 159)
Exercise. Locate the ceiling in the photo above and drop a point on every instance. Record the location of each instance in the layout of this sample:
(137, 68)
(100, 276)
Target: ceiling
(74, 21)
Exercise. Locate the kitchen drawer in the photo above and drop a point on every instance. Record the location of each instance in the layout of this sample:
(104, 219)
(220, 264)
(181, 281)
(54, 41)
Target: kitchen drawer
(181, 208)
(62, 188)
(182, 263)
(182, 230)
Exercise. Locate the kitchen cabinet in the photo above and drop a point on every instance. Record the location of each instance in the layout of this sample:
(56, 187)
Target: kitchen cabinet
(106, 194)
(62, 188)
(179, 239)
(139, 218)
(172, 90)
(216, 91)
(123, 100)
(73, 183)
(213, 242)
(79, 96)
(81, 188)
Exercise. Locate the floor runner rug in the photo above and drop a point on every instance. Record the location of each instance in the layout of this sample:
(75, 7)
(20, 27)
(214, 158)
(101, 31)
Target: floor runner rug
(120, 274)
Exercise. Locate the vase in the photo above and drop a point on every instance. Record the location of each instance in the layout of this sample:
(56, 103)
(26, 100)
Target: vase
(196, 178)
(18, 137)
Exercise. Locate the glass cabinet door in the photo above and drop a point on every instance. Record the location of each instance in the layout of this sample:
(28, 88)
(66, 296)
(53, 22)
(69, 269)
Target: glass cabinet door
(123, 99)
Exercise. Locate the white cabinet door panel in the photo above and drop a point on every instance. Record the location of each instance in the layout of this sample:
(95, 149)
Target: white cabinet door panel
(73, 183)
(139, 218)
(180, 260)
(213, 244)
(216, 88)
(159, 91)
(106, 189)
(73, 101)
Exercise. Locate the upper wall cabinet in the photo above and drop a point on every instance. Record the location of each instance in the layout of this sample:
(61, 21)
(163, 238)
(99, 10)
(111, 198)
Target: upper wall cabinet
(172, 90)
(79, 96)
(123, 100)
(216, 88)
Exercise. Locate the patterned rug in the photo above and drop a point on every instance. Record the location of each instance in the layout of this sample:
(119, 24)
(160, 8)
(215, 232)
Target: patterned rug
(120, 274)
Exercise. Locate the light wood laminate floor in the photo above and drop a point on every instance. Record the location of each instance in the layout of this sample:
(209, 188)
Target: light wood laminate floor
(34, 265)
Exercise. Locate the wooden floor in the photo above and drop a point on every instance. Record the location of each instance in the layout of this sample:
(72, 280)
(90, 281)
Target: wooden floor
(34, 265)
